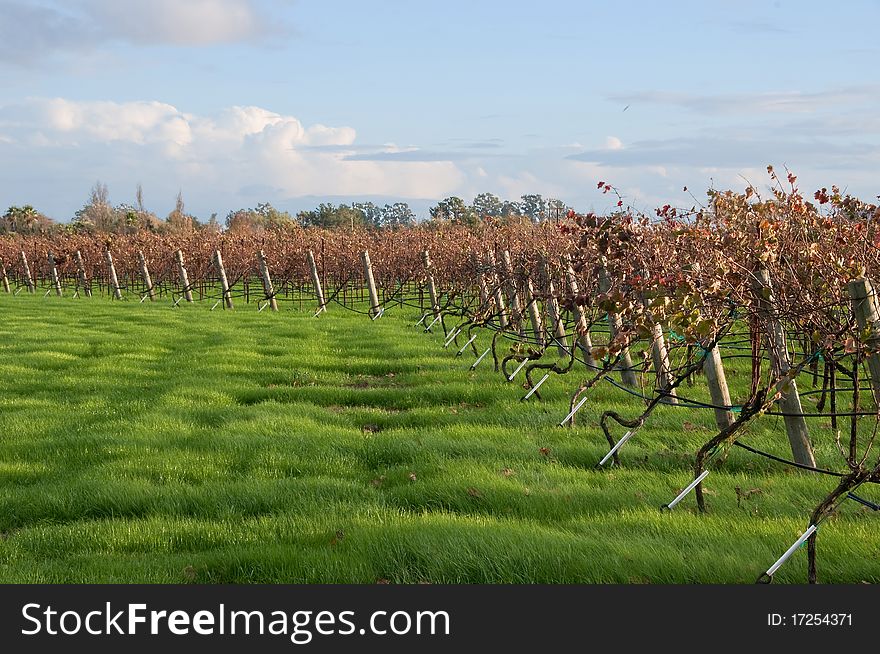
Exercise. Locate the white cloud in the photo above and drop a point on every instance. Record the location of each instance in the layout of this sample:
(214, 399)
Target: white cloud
(526, 182)
(177, 22)
(321, 135)
(613, 143)
(30, 32)
(135, 122)
(53, 150)
(208, 156)
(242, 121)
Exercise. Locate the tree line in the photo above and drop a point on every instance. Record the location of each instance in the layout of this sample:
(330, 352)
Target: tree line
(99, 215)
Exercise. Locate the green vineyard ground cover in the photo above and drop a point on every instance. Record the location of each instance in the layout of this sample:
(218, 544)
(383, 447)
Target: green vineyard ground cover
(144, 444)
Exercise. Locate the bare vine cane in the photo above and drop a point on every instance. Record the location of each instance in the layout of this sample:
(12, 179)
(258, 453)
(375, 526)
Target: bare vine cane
(479, 322)
(868, 340)
(530, 354)
(555, 367)
(608, 365)
(760, 402)
(484, 322)
(847, 484)
(665, 392)
(551, 368)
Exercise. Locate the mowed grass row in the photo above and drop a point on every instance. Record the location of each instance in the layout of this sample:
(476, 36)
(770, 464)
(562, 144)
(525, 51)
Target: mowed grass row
(144, 444)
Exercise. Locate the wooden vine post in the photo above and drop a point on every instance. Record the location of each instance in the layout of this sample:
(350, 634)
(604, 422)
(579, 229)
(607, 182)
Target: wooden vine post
(26, 269)
(268, 289)
(432, 287)
(868, 318)
(553, 307)
(718, 391)
(184, 278)
(659, 353)
(145, 274)
(114, 280)
(494, 281)
(482, 287)
(484, 292)
(660, 359)
(224, 282)
(535, 313)
(790, 402)
(316, 282)
(867, 314)
(581, 327)
(375, 308)
(512, 293)
(4, 278)
(713, 369)
(81, 274)
(53, 271)
(627, 373)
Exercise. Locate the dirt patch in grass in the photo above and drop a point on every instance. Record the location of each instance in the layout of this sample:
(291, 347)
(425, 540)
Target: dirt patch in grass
(388, 380)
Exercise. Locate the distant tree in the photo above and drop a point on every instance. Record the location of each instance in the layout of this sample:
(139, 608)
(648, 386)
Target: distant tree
(263, 216)
(372, 215)
(534, 206)
(146, 220)
(397, 215)
(126, 218)
(556, 209)
(96, 214)
(178, 220)
(213, 225)
(25, 220)
(487, 205)
(332, 216)
(241, 220)
(99, 195)
(453, 210)
(139, 197)
(511, 209)
(273, 217)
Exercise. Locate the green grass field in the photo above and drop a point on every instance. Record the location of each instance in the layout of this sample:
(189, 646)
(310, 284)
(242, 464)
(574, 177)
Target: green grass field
(144, 444)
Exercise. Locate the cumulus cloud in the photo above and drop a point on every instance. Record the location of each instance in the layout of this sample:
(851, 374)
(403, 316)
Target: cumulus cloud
(53, 149)
(136, 122)
(209, 155)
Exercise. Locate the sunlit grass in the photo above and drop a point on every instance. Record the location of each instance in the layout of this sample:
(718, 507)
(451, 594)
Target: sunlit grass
(144, 444)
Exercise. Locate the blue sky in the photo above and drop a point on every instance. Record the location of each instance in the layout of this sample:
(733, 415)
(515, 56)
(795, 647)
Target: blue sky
(237, 102)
